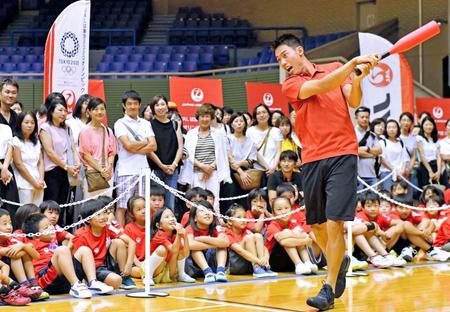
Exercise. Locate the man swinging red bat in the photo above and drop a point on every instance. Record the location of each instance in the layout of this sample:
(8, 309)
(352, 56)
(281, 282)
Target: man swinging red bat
(320, 95)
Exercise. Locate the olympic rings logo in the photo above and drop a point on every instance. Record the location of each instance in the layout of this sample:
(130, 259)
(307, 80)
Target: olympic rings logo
(69, 44)
(68, 70)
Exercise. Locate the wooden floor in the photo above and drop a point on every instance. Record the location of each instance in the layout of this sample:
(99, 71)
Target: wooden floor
(422, 287)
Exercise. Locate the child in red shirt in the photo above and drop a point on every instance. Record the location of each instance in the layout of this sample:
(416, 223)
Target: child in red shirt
(287, 241)
(106, 243)
(417, 231)
(52, 211)
(57, 271)
(206, 244)
(157, 199)
(169, 249)
(195, 194)
(136, 231)
(376, 224)
(19, 254)
(247, 251)
(436, 217)
(443, 236)
(259, 203)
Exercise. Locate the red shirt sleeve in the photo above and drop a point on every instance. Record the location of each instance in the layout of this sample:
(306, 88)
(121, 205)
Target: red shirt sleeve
(160, 238)
(79, 239)
(185, 219)
(443, 235)
(273, 228)
(291, 89)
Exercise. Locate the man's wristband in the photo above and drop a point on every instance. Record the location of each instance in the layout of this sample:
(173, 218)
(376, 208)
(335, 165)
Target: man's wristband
(370, 226)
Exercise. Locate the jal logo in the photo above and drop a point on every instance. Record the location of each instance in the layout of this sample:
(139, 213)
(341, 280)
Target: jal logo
(438, 112)
(268, 99)
(71, 99)
(381, 75)
(138, 240)
(96, 250)
(197, 95)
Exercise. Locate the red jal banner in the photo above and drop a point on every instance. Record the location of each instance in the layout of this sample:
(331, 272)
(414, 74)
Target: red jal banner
(190, 93)
(439, 110)
(267, 93)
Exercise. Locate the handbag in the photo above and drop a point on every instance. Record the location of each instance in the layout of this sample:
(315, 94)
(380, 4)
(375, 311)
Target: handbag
(254, 174)
(73, 180)
(94, 178)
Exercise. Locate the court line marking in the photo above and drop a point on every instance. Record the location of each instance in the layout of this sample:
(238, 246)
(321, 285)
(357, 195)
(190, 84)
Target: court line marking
(197, 308)
(232, 304)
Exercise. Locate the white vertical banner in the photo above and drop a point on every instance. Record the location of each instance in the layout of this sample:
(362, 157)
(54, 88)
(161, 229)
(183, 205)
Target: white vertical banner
(66, 64)
(382, 88)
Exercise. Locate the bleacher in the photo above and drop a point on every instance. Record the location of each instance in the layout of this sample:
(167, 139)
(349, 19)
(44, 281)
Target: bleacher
(8, 10)
(127, 18)
(209, 29)
(22, 60)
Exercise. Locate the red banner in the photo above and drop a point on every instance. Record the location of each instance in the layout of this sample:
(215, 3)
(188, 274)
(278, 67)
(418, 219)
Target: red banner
(97, 88)
(267, 93)
(190, 93)
(439, 110)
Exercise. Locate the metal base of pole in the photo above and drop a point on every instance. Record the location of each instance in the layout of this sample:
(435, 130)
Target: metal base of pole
(151, 294)
(356, 274)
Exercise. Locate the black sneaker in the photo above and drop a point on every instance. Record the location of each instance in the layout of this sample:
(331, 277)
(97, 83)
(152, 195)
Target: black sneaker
(324, 300)
(340, 281)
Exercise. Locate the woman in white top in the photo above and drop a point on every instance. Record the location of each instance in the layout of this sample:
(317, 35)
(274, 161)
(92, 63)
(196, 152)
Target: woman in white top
(430, 170)
(242, 153)
(267, 140)
(393, 156)
(28, 161)
(79, 118)
(8, 187)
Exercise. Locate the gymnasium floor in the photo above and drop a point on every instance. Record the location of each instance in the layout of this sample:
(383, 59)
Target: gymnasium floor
(416, 287)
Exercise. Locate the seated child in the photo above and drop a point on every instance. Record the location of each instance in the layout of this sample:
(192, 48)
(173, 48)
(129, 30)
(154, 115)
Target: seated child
(51, 210)
(195, 194)
(106, 243)
(9, 293)
(284, 237)
(443, 236)
(169, 248)
(369, 240)
(399, 187)
(436, 217)
(18, 253)
(136, 231)
(417, 231)
(385, 205)
(57, 271)
(208, 247)
(157, 198)
(259, 205)
(247, 251)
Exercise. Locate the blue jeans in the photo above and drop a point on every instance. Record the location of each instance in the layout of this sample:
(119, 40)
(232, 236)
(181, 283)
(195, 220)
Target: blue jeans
(387, 184)
(370, 181)
(170, 180)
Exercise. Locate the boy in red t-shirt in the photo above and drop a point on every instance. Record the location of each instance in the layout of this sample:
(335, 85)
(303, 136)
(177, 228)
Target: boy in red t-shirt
(52, 211)
(57, 271)
(286, 241)
(107, 243)
(378, 226)
(195, 194)
(417, 231)
(157, 199)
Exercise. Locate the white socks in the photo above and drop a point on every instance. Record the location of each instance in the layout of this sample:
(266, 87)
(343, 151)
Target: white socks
(182, 276)
(155, 261)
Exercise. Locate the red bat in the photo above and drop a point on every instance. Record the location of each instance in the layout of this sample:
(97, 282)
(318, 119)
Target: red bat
(412, 40)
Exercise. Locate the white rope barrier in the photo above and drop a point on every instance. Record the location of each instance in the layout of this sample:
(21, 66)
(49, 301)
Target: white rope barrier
(409, 183)
(398, 203)
(375, 184)
(80, 222)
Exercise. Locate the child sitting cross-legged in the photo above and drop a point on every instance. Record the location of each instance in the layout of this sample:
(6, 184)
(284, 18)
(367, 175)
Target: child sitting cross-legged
(113, 250)
(247, 251)
(208, 246)
(287, 242)
(57, 271)
(169, 248)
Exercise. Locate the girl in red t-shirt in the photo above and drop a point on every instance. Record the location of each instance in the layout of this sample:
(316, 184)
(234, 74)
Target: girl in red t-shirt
(207, 245)
(169, 249)
(259, 203)
(136, 231)
(247, 251)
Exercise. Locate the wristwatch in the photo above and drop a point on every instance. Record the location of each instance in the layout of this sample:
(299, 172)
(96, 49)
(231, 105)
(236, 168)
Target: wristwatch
(65, 167)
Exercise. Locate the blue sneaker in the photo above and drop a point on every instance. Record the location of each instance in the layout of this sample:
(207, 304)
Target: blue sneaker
(221, 277)
(127, 283)
(269, 272)
(259, 271)
(209, 278)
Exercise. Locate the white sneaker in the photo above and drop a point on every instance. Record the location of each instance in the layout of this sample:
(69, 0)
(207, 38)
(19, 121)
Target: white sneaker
(437, 254)
(79, 290)
(302, 268)
(408, 253)
(380, 261)
(357, 264)
(396, 261)
(313, 267)
(184, 278)
(100, 288)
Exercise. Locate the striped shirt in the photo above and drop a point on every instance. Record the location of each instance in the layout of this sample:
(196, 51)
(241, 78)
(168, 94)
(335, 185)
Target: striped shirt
(205, 150)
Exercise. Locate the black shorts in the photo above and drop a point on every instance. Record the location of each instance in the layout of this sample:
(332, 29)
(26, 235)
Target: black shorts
(329, 187)
(56, 283)
(110, 266)
(279, 260)
(238, 265)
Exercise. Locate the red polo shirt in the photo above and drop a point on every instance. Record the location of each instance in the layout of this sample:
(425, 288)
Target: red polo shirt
(323, 123)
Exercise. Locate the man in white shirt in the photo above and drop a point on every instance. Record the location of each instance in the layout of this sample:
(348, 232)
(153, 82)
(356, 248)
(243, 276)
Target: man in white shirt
(135, 141)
